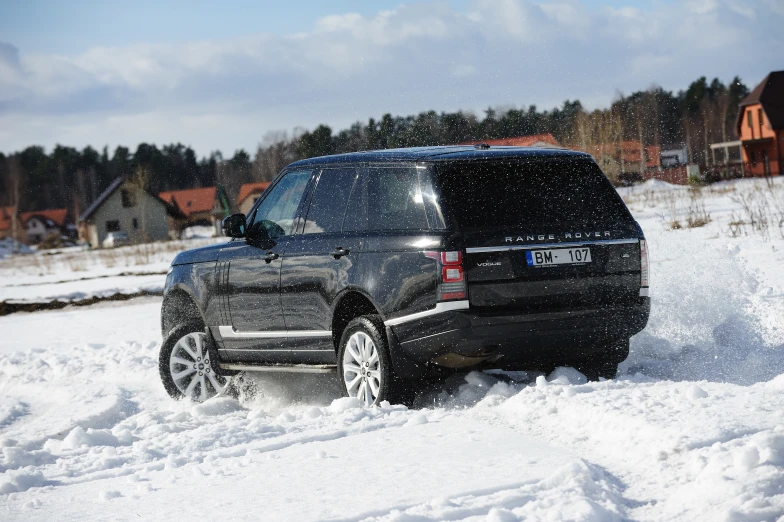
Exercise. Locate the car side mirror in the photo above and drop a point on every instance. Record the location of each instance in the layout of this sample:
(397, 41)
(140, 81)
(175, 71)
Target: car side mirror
(234, 225)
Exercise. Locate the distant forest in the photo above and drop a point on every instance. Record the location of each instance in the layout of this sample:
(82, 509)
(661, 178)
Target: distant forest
(704, 113)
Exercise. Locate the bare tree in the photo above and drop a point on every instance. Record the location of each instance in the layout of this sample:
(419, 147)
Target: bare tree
(655, 108)
(686, 123)
(275, 152)
(639, 117)
(619, 139)
(15, 182)
(723, 105)
(141, 180)
(705, 109)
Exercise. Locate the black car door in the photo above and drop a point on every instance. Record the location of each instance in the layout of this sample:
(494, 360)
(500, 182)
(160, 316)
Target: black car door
(249, 274)
(318, 264)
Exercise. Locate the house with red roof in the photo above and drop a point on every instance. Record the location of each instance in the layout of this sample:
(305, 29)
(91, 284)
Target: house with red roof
(40, 224)
(195, 207)
(249, 193)
(625, 158)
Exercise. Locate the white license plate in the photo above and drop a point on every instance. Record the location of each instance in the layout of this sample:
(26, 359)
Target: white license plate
(558, 256)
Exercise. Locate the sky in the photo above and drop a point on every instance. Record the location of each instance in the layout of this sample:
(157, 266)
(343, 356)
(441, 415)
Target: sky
(234, 74)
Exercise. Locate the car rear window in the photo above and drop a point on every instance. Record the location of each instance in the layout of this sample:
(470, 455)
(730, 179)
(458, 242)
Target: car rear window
(547, 192)
(395, 199)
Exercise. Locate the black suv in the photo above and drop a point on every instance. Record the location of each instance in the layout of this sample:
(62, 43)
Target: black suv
(397, 265)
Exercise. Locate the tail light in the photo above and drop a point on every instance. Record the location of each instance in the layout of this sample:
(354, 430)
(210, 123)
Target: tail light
(643, 264)
(453, 285)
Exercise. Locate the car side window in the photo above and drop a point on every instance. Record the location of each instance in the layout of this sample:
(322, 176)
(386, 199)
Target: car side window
(356, 218)
(395, 200)
(328, 205)
(277, 211)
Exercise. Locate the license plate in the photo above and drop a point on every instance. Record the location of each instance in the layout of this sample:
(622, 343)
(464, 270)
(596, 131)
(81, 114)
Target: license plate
(558, 256)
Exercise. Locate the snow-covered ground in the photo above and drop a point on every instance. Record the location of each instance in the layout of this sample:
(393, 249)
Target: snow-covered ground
(692, 428)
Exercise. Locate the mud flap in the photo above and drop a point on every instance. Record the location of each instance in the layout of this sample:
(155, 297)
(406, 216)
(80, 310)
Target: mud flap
(404, 367)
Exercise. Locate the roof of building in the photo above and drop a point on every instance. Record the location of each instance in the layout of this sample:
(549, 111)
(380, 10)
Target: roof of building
(251, 188)
(100, 199)
(5, 217)
(55, 215)
(534, 140)
(117, 183)
(440, 153)
(770, 94)
(191, 201)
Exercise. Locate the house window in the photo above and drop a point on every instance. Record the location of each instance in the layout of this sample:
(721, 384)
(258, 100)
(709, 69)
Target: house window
(113, 226)
(759, 120)
(128, 198)
(135, 223)
(750, 119)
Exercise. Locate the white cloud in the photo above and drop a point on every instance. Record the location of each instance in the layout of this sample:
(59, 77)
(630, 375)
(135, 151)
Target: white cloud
(229, 93)
(463, 70)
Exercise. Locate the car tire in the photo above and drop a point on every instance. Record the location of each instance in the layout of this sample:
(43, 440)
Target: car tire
(187, 367)
(604, 364)
(365, 366)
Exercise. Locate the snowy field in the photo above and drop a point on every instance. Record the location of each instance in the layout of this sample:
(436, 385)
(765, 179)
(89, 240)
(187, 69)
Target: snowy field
(692, 428)
(74, 274)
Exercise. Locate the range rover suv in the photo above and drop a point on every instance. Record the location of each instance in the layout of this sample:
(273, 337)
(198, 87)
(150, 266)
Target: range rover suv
(388, 267)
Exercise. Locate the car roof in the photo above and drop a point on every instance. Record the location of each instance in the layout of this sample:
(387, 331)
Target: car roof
(440, 154)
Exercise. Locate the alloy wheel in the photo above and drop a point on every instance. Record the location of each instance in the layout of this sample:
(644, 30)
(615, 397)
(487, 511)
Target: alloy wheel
(362, 368)
(191, 370)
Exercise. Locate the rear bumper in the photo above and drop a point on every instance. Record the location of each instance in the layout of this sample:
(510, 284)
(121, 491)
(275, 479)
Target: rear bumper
(465, 338)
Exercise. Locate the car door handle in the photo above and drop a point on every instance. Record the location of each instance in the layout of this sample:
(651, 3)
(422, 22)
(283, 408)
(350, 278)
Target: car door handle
(270, 257)
(340, 252)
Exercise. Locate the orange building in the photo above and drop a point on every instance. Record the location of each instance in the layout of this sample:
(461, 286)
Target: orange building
(761, 127)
